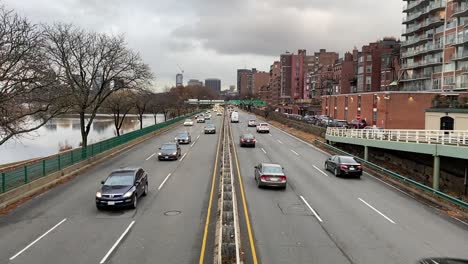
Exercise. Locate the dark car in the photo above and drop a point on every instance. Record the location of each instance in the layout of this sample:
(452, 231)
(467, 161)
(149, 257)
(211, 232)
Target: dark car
(210, 129)
(122, 188)
(183, 138)
(267, 174)
(358, 124)
(339, 123)
(247, 140)
(443, 261)
(169, 151)
(343, 165)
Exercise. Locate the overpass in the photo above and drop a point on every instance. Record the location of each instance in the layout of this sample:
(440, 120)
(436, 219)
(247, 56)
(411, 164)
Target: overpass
(437, 143)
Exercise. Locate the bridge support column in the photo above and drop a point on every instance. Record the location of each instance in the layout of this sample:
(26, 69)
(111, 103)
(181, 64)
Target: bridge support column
(366, 153)
(436, 173)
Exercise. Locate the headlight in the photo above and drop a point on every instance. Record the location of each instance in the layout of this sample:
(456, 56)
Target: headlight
(175, 139)
(129, 193)
(159, 153)
(175, 153)
(98, 195)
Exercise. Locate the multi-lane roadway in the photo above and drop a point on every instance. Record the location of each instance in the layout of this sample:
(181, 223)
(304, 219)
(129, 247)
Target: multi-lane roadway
(318, 218)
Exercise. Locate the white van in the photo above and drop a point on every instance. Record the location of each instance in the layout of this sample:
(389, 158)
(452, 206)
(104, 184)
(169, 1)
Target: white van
(234, 117)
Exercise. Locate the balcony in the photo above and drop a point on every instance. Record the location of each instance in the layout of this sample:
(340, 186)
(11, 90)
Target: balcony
(417, 40)
(416, 77)
(422, 63)
(461, 10)
(411, 5)
(423, 26)
(461, 40)
(427, 10)
(428, 49)
(460, 57)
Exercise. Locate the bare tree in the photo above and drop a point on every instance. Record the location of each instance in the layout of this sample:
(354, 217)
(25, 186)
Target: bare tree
(119, 104)
(92, 66)
(29, 95)
(142, 99)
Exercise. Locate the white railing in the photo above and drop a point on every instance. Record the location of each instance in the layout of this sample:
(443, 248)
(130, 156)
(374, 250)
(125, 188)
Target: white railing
(444, 137)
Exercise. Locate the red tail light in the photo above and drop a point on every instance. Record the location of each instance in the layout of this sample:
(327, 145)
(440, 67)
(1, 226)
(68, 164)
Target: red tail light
(283, 178)
(264, 177)
(344, 166)
(359, 167)
(254, 140)
(243, 139)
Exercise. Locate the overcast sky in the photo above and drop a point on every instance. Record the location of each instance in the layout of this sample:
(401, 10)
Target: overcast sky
(213, 38)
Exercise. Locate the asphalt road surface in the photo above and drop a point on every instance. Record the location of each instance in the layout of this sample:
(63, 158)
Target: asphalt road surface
(353, 220)
(167, 226)
(318, 219)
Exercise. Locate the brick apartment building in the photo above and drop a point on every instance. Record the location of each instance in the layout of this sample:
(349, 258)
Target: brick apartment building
(292, 76)
(245, 84)
(344, 74)
(435, 52)
(320, 76)
(259, 79)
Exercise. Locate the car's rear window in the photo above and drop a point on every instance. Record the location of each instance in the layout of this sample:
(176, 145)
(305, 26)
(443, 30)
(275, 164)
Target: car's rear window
(347, 160)
(119, 179)
(263, 124)
(272, 169)
(248, 136)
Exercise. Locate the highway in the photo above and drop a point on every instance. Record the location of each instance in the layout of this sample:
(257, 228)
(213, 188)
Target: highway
(168, 223)
(317, 219)
(353, 221)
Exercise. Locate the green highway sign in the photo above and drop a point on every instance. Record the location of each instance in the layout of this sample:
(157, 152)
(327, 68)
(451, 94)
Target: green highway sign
(248, 102)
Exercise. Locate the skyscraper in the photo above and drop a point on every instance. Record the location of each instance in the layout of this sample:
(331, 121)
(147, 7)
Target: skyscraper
(214, 84)
(179, 79)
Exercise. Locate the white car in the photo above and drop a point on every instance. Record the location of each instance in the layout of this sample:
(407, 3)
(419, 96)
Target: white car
(251, 123)
(263, 128)
(188, 122)
(219, 114)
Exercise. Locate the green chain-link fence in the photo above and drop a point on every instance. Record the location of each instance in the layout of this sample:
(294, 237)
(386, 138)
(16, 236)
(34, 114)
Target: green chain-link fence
(18, 176)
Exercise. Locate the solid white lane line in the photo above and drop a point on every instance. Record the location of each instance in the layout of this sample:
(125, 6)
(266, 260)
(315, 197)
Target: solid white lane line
(181, 159)
(270, 134)
(279, 141)
(311, 209)
(263, 151)
(117, 242)
(297, 154)
(198, 137)
(167, 177)
(37, 239)
(390, 220)
(152, 155)
(192, 144)
(324, 173)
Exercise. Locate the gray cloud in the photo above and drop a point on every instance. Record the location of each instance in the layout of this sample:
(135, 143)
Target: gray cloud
(212, 38)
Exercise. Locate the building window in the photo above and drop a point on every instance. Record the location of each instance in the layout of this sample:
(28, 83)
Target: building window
(369, 68)
(450, 39)
(369, 57)
(374, 117)
(361, 69)
(368, 83)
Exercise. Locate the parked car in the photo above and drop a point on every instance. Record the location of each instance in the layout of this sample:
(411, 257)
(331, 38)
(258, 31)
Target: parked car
(201, 119)
(183, 138)
(343, 165)
(169, 151)
(309, 119)
(325, 121)
(263, 128)
(267, 174)
(339, 123)
(247, 140)
(251, 123)
(358, 124)
(122, 188)
(210, 129)
(188, 122)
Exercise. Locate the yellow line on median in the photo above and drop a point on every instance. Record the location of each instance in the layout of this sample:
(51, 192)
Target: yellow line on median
(244, 203)
(207, 223)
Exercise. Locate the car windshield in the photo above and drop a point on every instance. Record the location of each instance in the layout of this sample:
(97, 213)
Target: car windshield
(209, 126)
(347, 160)
(168, 147)
(119, 179)
(182, 135)
(271, 169)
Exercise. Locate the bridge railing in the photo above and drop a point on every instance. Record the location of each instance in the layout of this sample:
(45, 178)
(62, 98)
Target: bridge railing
(444, 137)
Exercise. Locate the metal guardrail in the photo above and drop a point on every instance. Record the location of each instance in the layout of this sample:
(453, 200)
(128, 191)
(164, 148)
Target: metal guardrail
(16, 176)
(443, 137)
(400, 177)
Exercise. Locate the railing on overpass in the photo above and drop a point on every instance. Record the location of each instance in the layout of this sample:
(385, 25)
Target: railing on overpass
(443, 137)
(13, 177)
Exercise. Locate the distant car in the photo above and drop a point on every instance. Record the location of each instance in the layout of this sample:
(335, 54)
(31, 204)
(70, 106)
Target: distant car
(339, 123)
(188, 122)
(207, 116)
(324, 121)
(169, 151)
(263, 128)
(267, 174)
(343, 165)
(358, 124)
(122, 188)
(201, 119)
(247, 140)
(219, 114)
(442, 261)
(210, 129)
(251, 123)
(234, 117)
(183, 138)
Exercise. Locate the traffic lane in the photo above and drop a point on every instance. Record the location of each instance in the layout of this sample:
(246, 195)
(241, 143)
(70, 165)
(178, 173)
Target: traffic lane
(285, 229)
(393, 203)
(75, 198)
(171, 228)
(399, 204)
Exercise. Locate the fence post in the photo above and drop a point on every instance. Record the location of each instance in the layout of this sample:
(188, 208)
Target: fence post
(59, 165)
(3, 182)
(436, 173)
(92, 150)
(26, 174)
(43, 167)
(71, 157)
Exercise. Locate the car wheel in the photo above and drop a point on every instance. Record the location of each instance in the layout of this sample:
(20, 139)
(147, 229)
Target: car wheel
(145, 190)
(326, 166)
(336, 172)
(135, 202)
(284, 187)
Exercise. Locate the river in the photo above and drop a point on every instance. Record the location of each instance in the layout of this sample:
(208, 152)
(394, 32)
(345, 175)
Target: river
(65, 131)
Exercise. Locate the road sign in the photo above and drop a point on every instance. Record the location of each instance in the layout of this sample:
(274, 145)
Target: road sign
(248, 102)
